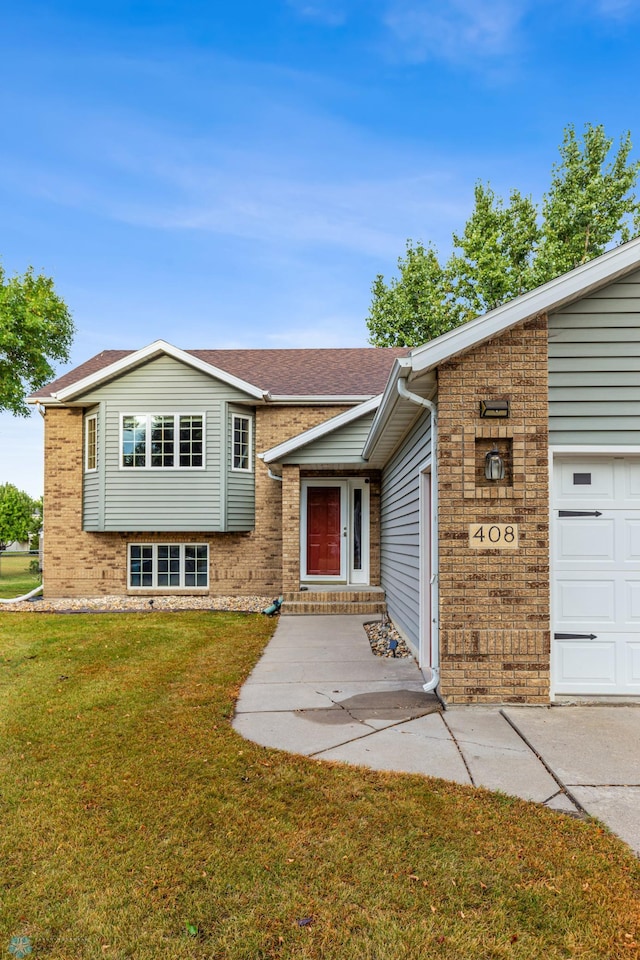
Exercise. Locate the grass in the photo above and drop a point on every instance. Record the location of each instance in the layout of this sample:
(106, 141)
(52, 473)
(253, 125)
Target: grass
(137, 823)
(15, 578)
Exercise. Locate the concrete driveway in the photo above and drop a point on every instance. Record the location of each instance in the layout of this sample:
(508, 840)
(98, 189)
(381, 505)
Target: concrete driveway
(318, 690)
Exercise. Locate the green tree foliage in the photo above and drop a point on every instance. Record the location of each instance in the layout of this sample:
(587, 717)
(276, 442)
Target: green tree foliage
(506, 249)
(35, 329)
(20, 516)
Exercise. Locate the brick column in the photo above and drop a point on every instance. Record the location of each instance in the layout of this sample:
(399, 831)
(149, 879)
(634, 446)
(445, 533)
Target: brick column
(290, 528)
(494, 603)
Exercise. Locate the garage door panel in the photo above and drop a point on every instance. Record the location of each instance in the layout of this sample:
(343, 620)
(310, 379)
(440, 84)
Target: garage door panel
(633, 662)
(584, 479)
(582, 601)
(585, 664)
(632, 481)
(632, 598)
(632, 540)
(585, 540)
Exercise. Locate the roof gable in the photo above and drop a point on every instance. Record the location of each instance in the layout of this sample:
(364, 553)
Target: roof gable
(275, 454)
(349, 374)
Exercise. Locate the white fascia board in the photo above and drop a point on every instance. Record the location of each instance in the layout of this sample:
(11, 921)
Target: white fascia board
(155, 349)
(321, 430)
(556, 293)
(401, 368)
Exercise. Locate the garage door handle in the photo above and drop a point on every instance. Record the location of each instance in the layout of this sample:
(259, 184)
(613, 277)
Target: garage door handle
(575, 636)
(579, 513)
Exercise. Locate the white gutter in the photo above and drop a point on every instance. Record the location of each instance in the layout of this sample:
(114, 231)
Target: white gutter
(434, 604)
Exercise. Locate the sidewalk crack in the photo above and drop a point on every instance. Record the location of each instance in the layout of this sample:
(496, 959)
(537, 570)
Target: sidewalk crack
(459, 749)
(563, 787)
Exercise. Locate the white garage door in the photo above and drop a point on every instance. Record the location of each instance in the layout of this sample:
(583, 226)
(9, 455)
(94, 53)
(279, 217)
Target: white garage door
(596, 576)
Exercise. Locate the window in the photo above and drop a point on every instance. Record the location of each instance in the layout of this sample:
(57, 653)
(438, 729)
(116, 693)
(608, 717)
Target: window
(241, 458)
(166, 565)
(163, 440)
(91, 443)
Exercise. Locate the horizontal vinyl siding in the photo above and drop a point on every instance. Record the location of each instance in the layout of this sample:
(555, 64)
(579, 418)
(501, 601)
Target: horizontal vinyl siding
(343, 445)
(241, 486)
(91, 481)
(91, 501)
(594, 368)
(164, 499)
(400, 529)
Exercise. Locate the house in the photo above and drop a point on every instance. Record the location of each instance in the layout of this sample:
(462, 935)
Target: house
(488, 482)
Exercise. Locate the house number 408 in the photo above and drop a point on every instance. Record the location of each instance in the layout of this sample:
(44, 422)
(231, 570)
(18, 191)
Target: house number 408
(493, 536)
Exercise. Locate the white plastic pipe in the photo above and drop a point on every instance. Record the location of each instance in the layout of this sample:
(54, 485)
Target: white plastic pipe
(27, 596)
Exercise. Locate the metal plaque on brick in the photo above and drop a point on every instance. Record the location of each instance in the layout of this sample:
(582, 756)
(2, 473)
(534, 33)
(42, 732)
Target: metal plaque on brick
(493, 536)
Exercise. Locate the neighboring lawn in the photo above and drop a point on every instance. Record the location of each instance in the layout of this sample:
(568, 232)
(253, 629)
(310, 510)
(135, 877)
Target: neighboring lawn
(15, 579)
(136, 823)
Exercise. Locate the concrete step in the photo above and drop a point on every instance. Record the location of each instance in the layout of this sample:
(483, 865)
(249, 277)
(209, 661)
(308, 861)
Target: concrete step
(292, 608)
(305, 602)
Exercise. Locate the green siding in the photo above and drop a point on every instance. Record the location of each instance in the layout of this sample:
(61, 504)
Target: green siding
(240, 485)
(91, 481)
(163, 499)
(594, 367)
(341, 446)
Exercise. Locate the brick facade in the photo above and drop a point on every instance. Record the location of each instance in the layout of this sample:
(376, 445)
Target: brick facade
(79, 563)
(494, 603)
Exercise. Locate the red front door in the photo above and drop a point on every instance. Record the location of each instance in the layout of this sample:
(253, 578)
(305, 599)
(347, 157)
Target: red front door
(324, 531)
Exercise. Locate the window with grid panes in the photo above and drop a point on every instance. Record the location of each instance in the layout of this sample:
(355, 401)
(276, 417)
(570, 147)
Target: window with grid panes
(167, 565)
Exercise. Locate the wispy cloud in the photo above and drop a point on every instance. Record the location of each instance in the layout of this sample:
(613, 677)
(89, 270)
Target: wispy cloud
(457, 29)
(618, 9)
(294, 179)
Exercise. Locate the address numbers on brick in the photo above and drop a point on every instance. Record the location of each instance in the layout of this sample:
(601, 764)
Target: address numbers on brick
(493, 536)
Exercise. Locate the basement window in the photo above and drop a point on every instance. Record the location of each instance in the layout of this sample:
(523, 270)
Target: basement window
(168, 565)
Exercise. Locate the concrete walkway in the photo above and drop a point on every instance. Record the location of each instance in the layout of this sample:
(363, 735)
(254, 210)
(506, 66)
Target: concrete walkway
(318, 690)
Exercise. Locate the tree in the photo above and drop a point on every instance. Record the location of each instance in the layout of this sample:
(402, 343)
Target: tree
(589, 205)
(418, 306)
(20, 516)
(35, 329)
(506, 249)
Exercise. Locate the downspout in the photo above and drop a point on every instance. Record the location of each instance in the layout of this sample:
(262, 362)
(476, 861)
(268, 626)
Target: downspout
(273, 476)
(435, 637)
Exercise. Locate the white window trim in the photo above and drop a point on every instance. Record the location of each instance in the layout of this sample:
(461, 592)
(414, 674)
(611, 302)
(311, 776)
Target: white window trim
(154, 585)
(148, 417)
(93, 417)
(249, 419)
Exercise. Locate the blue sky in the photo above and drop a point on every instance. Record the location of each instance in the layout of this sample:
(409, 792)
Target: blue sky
(235, 175)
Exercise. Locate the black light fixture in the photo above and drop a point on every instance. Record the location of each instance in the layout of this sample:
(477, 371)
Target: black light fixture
(494, 465)
(494, 409)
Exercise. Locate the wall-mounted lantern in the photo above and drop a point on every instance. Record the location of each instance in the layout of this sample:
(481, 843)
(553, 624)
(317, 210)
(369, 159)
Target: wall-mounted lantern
(494, 465)
(494, 409)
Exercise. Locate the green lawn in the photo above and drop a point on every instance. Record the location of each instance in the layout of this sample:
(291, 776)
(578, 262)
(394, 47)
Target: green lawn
(15, 578)
(136, 823)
